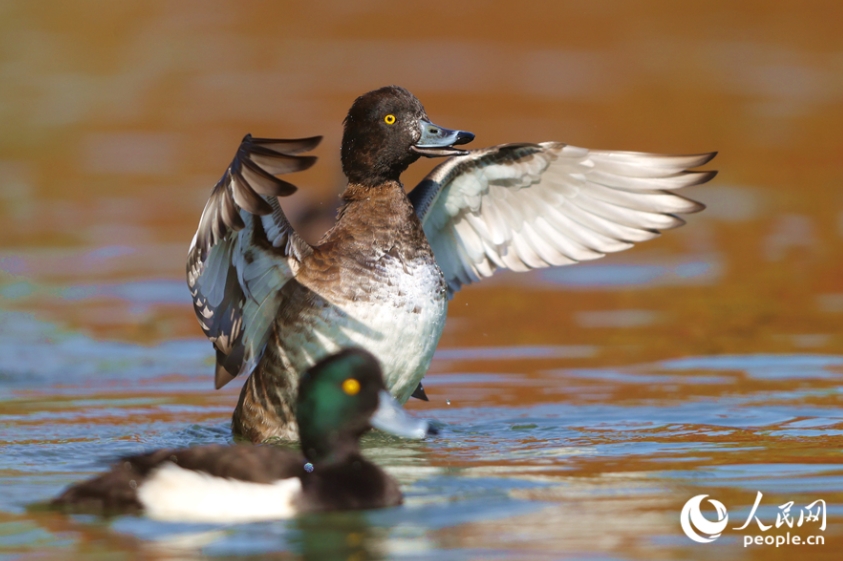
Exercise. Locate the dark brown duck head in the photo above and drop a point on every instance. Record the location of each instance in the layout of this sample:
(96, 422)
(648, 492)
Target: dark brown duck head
(386, 130)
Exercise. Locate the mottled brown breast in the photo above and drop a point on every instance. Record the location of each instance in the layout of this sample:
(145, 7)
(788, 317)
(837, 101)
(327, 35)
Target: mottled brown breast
(377, 239)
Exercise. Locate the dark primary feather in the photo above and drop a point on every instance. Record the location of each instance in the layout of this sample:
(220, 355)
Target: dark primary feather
(245, 250)
(526, 206)
(419, 393)
(251, 174)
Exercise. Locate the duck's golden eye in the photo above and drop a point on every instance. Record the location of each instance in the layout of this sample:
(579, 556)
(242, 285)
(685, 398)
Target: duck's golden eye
(389, 119)
(351, 386)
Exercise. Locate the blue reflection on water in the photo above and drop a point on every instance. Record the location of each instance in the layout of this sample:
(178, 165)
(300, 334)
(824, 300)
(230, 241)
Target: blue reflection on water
(701, 270)
(504, 462)
(161, 291)
(764, 366)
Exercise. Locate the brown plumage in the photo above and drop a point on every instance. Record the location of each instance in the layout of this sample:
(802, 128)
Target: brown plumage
(376, 233)
(381, 277)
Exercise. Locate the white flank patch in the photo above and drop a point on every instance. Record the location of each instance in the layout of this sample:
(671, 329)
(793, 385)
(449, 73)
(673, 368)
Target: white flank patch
(403, 341)
(177, 494)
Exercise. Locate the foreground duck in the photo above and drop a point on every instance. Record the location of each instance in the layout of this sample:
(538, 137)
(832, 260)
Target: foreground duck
(381, 278)
(339, 399)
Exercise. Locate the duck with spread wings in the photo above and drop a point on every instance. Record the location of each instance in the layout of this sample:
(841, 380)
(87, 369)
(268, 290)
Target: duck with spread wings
(381, 277)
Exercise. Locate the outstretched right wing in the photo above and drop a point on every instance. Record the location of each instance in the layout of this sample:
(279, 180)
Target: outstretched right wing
(245, 250)
(528, 206)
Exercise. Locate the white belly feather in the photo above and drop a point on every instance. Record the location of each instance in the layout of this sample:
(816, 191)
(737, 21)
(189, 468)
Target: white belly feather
(400, 324)
(404, 341)
(177, 494)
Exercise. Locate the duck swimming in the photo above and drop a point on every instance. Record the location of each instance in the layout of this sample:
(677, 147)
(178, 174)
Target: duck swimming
(381, 278)
(340, 398)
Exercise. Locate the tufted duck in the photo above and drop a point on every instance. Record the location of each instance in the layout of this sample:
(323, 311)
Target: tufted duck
(339, 399)
(381, 278)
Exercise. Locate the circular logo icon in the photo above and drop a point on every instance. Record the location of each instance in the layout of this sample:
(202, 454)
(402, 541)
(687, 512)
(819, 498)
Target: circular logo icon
(694, 523)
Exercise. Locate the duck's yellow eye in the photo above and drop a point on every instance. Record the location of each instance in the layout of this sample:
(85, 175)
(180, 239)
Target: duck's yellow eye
(389, 119)
(351, 386)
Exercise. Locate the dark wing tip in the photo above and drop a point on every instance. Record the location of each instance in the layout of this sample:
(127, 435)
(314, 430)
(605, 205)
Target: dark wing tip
(419, 393)
(704, 176)
(699, 177)
(706, 157)
(263, 181)
(251, 177)
(678, 222)
(230, 361)
(698, 207)
(221, 376)
(287, 146)
(244, 193)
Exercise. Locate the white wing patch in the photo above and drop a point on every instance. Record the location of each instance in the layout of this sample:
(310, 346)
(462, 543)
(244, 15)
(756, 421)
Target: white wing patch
(527, 206)
(176, 494)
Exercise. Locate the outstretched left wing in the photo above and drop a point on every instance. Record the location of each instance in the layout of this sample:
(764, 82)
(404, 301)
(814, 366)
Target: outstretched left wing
(527, 206)
(245, 250)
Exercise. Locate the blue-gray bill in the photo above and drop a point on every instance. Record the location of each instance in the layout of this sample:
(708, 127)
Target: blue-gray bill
(439, 141)
(390, 417)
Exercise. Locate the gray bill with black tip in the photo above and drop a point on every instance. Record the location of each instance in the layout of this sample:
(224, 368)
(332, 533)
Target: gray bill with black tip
(390, 417)
(439, 141)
